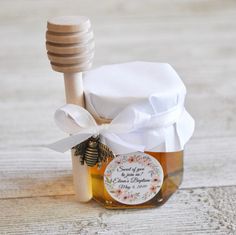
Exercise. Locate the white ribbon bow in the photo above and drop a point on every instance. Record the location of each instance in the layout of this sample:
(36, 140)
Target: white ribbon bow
(133, 129)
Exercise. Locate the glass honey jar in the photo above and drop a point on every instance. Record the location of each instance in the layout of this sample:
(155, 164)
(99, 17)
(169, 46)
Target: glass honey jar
(140, 179)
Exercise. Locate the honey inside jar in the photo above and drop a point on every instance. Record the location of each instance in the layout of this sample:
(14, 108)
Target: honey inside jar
(172, 165)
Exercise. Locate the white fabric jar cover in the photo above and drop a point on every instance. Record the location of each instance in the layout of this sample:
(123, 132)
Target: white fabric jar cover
(155, 87)
(144, 102)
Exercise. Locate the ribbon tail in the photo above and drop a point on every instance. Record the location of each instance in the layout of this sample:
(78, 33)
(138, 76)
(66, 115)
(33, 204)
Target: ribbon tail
(185, 131)
(69, 142)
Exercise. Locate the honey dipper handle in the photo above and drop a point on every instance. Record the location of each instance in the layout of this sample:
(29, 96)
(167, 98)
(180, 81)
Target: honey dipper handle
(81, 175)
(74, 88)
(82, 179)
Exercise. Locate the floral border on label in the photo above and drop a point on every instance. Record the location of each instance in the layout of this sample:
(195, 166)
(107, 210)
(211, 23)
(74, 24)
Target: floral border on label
(126, 196)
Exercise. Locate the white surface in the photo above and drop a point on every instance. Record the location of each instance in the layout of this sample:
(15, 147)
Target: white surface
(197, 37)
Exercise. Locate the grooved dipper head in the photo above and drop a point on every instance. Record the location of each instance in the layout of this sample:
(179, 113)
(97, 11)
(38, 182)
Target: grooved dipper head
(70, 43)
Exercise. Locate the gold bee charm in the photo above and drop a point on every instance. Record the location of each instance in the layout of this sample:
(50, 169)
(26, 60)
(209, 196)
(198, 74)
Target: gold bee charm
(93, 152)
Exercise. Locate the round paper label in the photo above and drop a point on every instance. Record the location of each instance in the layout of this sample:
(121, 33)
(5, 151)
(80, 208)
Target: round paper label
(133, 178)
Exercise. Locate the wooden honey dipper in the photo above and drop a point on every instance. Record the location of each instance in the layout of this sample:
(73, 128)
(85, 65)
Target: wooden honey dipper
(70, 46)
